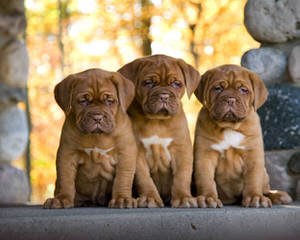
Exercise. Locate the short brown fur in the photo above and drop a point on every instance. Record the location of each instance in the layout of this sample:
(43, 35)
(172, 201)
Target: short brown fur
(230, 96)
(157, 111)
(95, 103)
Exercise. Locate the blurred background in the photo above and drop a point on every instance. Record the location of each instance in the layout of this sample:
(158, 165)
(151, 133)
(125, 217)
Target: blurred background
(68, 36)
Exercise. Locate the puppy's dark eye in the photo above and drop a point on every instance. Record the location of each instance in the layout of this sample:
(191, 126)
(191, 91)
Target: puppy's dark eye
(84, 101)
(218, 89)
(109, 101)
(149, 83)
(243, 90)
(176, 84)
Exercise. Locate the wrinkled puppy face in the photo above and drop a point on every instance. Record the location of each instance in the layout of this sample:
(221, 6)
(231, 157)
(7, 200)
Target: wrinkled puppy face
(229, 92)
(95, 105)
(160, 88)
(160, 84)
(92, 99)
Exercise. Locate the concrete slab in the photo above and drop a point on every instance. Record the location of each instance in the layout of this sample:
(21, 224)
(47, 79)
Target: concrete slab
(230, 222)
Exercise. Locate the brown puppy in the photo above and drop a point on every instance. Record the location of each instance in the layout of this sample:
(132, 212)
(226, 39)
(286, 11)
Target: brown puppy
(165, 158)
(228, 151)
(97, 152)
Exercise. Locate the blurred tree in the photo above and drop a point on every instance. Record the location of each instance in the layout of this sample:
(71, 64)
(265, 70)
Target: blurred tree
(147, 9)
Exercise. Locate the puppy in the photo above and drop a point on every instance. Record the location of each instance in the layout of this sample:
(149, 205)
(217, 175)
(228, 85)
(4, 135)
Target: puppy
(165, 158)
(228, 151)
(96, 157)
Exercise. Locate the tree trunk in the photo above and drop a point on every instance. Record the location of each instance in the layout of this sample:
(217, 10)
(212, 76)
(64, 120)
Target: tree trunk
(145, 29)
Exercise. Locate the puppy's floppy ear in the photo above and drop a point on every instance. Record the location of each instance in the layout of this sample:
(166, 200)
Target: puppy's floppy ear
(125, 90)
(63, 93)
(130, 70)
(202, 90)
(259, 90)
(191, 76)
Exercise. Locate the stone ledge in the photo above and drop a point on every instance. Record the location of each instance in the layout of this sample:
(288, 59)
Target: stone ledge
(230, 222)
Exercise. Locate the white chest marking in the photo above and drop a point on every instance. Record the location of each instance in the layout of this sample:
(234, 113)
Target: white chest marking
(98, 150)
(231, 139)
(164, 142)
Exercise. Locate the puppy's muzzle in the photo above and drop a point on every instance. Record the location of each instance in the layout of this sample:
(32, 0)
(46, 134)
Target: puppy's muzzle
(97, 123)
(161, 103)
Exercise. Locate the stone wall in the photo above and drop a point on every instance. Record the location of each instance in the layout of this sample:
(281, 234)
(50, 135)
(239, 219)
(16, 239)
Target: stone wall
(276, 25)
(14, 65)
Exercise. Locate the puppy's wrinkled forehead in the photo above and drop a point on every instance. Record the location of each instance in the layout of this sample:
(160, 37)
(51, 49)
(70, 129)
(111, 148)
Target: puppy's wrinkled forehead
(231, 76)
(95, 82)
(163, 69)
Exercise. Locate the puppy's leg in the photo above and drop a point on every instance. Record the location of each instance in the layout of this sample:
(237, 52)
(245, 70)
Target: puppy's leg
(205, 165)
(122, 186)
(254, 179)
(276, 196)
(182, 176)
(66, 167)
(146, 189)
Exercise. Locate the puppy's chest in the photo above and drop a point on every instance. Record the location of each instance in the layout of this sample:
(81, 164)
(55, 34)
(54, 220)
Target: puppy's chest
(98, 162)
(231, 139)
(158, 152)
(232, 152)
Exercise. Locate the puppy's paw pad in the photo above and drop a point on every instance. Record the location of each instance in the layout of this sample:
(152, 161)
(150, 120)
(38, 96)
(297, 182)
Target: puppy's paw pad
(209, 202)
(185, 202)
(149, 202)
(55, 203)
(122, 203)
(256, 201)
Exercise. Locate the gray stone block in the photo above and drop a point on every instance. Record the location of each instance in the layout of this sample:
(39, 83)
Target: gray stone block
(268, 63)
(14, 64)
(14, 187)
(285, 47)
(10, 95)
(294, 65)
(12, 24)
(280, 117)
(273, 21)
(276, 163)
(13, 133)
(229, 222)
(12, 6)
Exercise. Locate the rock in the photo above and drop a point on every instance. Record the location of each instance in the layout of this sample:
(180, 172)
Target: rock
(294, 65)
(12, 6)
(285, 47)
(298, 190)
(294, 163)
(280, 117)
(12, 24)
(276, 165)
(13, 133)
(10, 94)
(273, 21)
(14, 187)
(14, 64)
(4, 38)
(268, 63)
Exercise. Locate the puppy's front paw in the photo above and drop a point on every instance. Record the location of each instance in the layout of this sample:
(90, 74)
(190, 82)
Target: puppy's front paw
(184, 202)
(123, 203)
(279, 197)
(209, 202)
(55, 203)
(256, 201)
(150, 202)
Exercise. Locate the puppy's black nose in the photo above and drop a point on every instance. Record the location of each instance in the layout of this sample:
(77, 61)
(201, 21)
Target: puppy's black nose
(98, 117)
(231, 100)
(164, 97)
